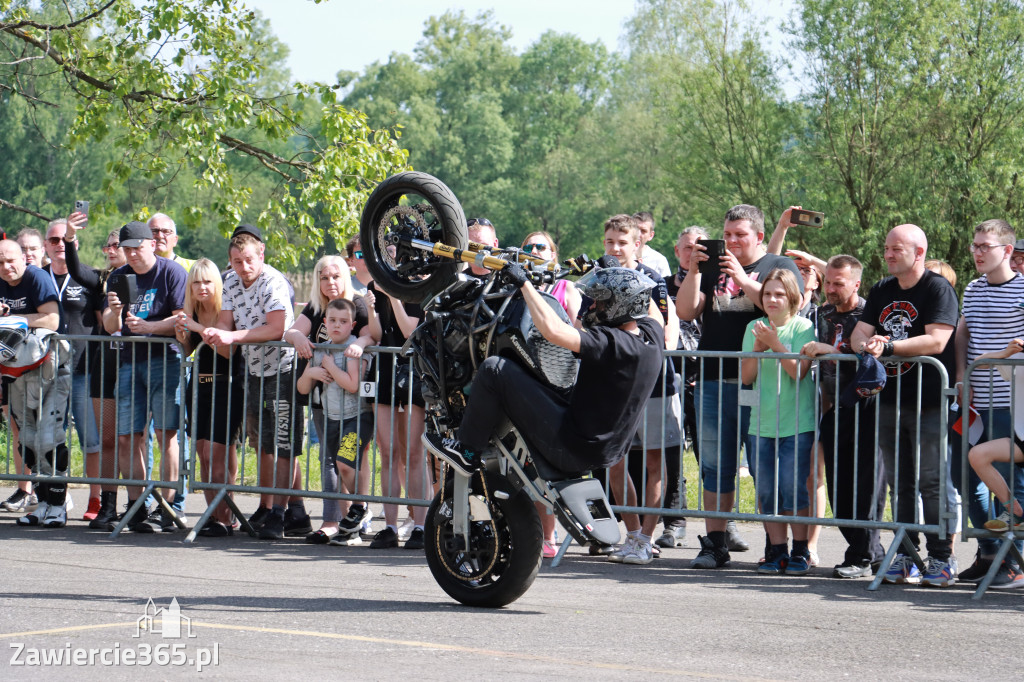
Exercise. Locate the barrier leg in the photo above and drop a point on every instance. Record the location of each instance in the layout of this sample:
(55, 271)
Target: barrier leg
(210, 508)
(130, 512)
(899, 540)
(166, 506)
(1006, 546)
(242, 519)
(562, 549)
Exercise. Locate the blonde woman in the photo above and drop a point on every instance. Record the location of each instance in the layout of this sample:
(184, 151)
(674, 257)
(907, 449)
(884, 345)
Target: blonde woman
(213, 400)
(331, 280)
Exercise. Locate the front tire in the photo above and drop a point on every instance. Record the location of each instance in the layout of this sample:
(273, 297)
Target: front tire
(414, 205)
(504, 554)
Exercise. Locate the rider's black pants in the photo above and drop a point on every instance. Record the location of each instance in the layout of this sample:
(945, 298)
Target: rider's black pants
(503, 389)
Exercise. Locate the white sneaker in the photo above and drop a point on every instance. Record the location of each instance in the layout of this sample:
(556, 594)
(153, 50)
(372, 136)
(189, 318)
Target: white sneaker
(346, 540)
(34, 518)
(56, 516)
(642, 554)
(69, 504)
(617, 556)
(405, 529)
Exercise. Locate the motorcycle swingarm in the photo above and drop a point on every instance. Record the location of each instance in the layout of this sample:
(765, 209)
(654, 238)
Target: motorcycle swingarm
(579, 503)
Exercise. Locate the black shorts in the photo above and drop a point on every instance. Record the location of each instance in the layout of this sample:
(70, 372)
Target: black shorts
(103, 370)
(273, 418)
(395, 383)
(220, 407)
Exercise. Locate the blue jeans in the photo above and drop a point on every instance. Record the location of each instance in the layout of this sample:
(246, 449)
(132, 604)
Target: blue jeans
(785, 490)
(975, 493)
(81, 410)
(723, 429)
(148, 387)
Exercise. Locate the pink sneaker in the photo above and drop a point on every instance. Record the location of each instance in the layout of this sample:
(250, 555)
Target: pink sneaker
(550, 550)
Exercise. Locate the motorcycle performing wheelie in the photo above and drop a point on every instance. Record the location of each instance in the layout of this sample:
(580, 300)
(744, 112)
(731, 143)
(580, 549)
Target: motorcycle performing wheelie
(502, 367)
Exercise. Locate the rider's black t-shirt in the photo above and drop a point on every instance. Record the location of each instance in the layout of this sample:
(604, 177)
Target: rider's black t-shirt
(617, 373)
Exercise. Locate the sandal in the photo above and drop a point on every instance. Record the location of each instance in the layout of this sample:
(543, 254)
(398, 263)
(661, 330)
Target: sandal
(322, 536)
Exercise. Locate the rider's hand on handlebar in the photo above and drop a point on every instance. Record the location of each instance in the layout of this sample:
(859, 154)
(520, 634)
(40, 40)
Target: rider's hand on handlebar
(515, 274)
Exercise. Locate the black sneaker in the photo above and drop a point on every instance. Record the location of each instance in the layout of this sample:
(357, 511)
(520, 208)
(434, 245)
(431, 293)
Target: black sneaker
(451, 451)
(167, 524)
(297, 526)
(385, 539)
(258, 517)
(272, 528)
(353, 520)
(416, 539)
(1008, 577)
(976, 571)
(146, 521)
(710, 556)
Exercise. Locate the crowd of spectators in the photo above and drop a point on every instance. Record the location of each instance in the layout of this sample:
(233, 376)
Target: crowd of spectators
(805, 427)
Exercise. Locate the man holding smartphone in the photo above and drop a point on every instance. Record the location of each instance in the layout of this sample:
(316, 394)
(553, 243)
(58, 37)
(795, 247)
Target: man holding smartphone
(726, 304)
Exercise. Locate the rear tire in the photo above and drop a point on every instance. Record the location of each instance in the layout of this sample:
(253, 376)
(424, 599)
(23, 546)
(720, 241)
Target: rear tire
(420, 206)
(504, 555)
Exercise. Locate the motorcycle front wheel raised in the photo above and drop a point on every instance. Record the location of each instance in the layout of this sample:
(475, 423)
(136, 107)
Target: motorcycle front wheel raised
(504, 555)
(419, 206)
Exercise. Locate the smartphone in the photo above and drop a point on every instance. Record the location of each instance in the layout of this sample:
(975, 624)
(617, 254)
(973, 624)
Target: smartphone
(809, 218)
(125, 287)
(82, 207)
(715, 248)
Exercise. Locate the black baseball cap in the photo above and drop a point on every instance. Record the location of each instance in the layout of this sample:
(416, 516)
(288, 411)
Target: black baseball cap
(133, 234)
(251, 230)
(1019, 246)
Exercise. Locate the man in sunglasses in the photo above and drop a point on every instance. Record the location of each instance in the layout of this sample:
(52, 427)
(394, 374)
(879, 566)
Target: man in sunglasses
(481, 231)
(1017, 257)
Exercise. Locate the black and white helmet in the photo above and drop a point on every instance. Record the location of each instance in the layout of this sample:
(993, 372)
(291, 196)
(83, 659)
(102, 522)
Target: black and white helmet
(619, 295)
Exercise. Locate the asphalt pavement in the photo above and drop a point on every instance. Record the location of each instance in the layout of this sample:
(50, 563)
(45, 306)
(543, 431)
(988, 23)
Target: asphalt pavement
(75, 606)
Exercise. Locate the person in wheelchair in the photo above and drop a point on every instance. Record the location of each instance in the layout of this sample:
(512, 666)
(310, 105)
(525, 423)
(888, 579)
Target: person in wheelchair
(620, 351)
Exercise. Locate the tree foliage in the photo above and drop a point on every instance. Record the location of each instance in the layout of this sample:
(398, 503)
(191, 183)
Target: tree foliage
(193, 90)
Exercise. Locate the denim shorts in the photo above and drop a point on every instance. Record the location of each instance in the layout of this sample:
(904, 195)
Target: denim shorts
(781, 467)
(148, 387)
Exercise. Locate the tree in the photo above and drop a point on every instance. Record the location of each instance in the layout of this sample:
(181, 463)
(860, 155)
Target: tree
(179, 87)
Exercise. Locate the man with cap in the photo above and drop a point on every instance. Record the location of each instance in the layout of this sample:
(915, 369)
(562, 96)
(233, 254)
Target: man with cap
(27, 292)
(256, 309)
(1017, 259)
(165, 236)
(847, 427)
(148, 377)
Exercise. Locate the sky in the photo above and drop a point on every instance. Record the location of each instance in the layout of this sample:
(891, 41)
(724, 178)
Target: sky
(351, 34)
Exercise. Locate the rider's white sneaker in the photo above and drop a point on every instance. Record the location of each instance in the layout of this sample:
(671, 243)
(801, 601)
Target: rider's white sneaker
(624, 549)
(642, 553)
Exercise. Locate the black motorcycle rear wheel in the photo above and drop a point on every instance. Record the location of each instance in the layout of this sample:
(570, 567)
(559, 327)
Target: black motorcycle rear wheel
(504, 554)
(420, 206)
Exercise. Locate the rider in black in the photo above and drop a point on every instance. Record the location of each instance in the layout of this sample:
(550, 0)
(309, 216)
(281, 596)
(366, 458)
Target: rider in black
(620, 355)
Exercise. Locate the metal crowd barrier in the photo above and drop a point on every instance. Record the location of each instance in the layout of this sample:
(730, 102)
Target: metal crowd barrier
(383, 486)
(1009, 543)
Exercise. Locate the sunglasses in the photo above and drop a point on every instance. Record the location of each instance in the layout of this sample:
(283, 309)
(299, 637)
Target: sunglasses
(530, 248)
(111, 245)
(54, 241)
(358, 254)
(478, 221)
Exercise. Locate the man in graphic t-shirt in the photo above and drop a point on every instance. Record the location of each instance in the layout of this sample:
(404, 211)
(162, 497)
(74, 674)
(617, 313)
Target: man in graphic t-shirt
(911, 313)
(725, 299)
(149, 373)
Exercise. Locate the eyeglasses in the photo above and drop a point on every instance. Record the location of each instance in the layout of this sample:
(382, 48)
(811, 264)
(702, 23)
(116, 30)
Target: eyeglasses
(111, 245)
(478, 221)
(985, 248)
(530, 248)
(54, 241)
(358, 254)
(156, 231)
